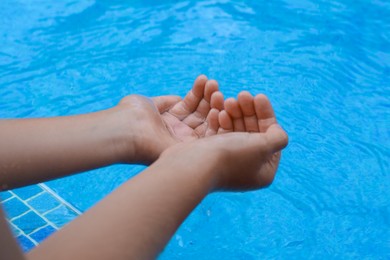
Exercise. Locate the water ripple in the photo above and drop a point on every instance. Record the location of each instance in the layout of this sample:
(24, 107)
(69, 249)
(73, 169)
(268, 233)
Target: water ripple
(324, 64)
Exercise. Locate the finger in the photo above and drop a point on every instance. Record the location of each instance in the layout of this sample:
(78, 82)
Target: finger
(210, 88)
(217, 100)
(276, 137)
(225, 121)
(233, 109)
(246, 102)
(199, 116)
(196, 94)
(264, 112)
(212, 122)
(203, 108)
(210, 126)
(191, 101)
(164, 103)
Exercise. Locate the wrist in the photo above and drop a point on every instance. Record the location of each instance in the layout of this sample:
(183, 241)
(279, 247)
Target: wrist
(121, 133)
(193, 162)
(132, 136)
(143, 134)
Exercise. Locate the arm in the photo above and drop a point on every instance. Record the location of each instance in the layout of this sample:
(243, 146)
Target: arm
(137, 130)
(34, 150)
(138, 219)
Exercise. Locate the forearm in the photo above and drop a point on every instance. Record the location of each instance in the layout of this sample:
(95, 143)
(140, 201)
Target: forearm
(35, 150)
(138, 219)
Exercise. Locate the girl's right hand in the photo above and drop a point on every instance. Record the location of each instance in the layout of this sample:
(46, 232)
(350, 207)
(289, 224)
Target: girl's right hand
(247, 155)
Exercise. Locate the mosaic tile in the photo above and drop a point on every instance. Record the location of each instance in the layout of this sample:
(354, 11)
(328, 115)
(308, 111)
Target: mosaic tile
(15, 230)
(14, 207)
(42, 233)
(5, 195)
(43, 203)
(29, 222)
(60, 216)
(34, 213)
(27, 192)
(25, 243)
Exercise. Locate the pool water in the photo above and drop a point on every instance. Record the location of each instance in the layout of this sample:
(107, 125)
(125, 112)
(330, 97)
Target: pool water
(325, 65)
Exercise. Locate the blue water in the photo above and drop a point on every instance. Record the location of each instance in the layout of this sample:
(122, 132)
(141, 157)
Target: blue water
(324, 64)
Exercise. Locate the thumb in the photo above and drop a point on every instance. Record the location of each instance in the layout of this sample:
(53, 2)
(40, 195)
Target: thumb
(276, 138)
(164, 103)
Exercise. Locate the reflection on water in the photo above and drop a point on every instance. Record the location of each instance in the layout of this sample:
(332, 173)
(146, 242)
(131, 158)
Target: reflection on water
(324, 64)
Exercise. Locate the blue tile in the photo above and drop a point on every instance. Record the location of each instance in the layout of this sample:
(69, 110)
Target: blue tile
(61, 216)
(29, 222)
(5, 195)
(15, 231)
(27, 192)
(84, 190)
(14, 207)
(43, 202)
(25, 243)
(42, 234)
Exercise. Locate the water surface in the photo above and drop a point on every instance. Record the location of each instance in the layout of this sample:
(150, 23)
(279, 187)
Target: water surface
(324, 64)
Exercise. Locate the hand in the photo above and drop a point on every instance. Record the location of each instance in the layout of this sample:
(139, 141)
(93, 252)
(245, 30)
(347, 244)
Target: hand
(156, 124)
(247, 155)
(192, 117)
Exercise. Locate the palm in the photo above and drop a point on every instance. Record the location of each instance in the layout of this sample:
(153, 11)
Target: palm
(175, 119)
(196, 115)
(255, 115)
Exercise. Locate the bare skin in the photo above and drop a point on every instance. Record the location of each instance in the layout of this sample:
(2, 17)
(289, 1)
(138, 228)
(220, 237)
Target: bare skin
(191, 160)
(196, 116)
(253, 115)
(142, 215)
(137, 130)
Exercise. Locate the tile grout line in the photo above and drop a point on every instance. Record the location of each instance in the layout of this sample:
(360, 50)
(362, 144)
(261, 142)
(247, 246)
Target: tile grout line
(10, 198)
(21, 232)
(60, 199)
(37, 229)
(21, 215)
(36, 212)
(32, 209)
(16, 227)
(35, 196)
(51, 210)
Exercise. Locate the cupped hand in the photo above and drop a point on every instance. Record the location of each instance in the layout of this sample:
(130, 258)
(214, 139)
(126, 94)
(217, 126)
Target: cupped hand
(158, 123)
(192, 117)
(247, 154)
(256, 115)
